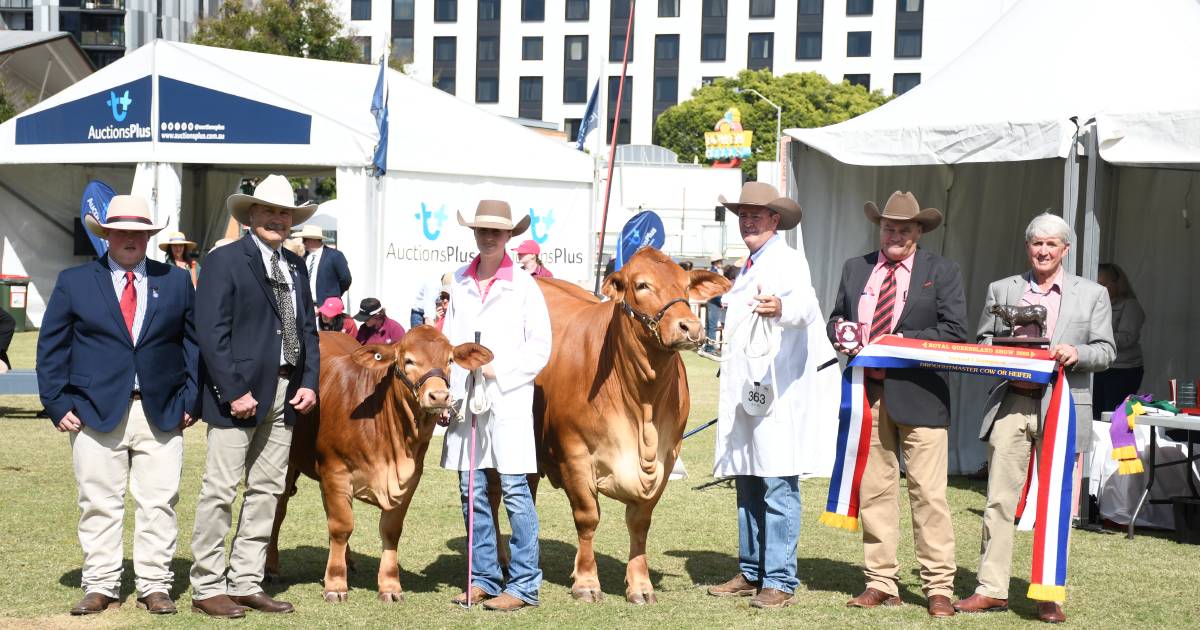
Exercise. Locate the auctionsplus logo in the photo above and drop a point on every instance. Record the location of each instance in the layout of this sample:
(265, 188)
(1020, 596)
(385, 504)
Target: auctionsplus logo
(124, 102)
(120, 110)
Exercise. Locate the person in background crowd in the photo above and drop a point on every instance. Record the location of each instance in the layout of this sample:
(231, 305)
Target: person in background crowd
(1079, 325)
(333, 317)
(376, 327)
(8, 326)
(529, 255)
(424, 305)
(294, 245)
(442, 304)
(328, 271)
(1124, 376)
(117, 365)
(221, 242)
(902, 290)
(714, 313)
(261, 356)
(177, 248)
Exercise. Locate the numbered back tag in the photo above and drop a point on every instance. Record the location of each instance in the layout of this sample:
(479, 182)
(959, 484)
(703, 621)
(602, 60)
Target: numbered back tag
(757, 398)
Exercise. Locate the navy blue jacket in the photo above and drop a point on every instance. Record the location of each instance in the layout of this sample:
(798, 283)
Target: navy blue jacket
(333, 275)
(239, 331)
(86, 360)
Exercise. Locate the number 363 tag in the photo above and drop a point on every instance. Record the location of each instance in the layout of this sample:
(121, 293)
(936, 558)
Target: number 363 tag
(757, 398)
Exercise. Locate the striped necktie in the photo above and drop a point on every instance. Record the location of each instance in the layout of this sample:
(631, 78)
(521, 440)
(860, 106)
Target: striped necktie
(881, 323)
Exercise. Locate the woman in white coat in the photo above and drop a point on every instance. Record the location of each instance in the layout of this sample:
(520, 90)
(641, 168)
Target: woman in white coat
(769, 394)
(509, 312)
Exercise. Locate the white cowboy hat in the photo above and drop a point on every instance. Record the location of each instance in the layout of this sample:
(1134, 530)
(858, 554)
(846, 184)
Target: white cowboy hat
(125, 212)
(176, 238)
(274, 190)
(310, 231)
(496, 215)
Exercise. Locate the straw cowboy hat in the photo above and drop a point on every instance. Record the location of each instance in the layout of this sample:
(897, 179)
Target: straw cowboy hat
(903, 206)
(274, 191)
(310, 231)
(760, 195)
(495, 215)
(176, 238)
(125, 212)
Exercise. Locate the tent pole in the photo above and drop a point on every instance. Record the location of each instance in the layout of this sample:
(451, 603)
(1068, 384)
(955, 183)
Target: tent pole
(612, 149)
(1091, 224)
(1070, 211)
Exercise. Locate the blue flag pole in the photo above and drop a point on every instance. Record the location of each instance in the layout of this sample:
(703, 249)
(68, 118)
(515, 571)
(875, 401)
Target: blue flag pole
(379, 109)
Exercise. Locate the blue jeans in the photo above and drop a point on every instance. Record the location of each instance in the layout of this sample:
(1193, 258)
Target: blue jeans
(769, 530)
(416, 318)
(714, 315)
(525, 573)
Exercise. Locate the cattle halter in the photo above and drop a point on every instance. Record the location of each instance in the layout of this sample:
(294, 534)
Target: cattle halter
(649, 322)
(416, 387)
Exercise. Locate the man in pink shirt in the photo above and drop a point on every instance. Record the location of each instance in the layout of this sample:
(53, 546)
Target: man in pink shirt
(376, 327)
(910, 292)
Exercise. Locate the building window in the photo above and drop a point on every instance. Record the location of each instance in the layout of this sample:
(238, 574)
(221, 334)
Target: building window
(712, 47)
(762, 8)
(445, 11)
(571, 127)
(666, 47)
(487, 90)
(759, 51)
(715, 8)
(708, 80)
(810, 7)
(858, 44)
(616, 47)
(533, 10)
(575, 90)
(614, 83)
(908, 6)
(577, 10)
(668, 8)
(445, 83)
(530, 98)
(905, 81)
(575, 47)
(489, 10)
(666, 90)
(619, 9)
(858, 79)
(403, 9)
(908, 44)
(489, 49)
(360, 9)
(445, 49)
(808, 46)
(860, 7)
(402, 49)
(531, 48)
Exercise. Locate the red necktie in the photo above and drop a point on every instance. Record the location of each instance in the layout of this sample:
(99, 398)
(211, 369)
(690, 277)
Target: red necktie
(881, 323)
(749, 263)
(129, 302)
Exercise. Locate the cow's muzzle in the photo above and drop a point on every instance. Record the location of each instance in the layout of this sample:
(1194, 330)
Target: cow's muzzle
(433, 399)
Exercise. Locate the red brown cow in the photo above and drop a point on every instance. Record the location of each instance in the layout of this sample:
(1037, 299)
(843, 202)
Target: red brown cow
(612, 402)
(367, 439)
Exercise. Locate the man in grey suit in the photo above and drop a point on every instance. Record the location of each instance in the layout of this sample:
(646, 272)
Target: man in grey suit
(1079, 325)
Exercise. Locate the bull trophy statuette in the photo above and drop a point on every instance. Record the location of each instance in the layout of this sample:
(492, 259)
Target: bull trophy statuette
(1017, 316)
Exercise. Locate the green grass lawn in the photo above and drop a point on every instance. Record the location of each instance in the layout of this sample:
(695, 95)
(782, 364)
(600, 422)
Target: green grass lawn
(1150, 582)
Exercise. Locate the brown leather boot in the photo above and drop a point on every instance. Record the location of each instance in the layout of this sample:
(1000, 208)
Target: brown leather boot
(219, 607)
(738, 586)
(261, 602)
(477, 597)
(505, 603)
(873, 597)
(939, 606)
(772, 598)
(157, 603)
(93, 603)
(1050, 612)
(981, 603)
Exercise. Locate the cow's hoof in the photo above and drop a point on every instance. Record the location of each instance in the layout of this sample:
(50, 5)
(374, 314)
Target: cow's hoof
(589, 594)
(333, 597)
(641, 597)
(391, 598)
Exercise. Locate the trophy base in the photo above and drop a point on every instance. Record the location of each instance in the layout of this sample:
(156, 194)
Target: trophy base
(1025, 342)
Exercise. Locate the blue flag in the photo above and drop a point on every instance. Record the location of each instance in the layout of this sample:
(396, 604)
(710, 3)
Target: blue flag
(96, 196)
(379, 109)
(645, 229)
(591, 116)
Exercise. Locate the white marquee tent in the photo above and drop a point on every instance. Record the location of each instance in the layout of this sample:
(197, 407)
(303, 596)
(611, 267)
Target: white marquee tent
(183, 124)
(1089, 108)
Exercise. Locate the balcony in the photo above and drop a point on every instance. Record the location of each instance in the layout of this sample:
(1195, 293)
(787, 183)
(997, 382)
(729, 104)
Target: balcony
(20, 4)
(102, 5)
(102, 38)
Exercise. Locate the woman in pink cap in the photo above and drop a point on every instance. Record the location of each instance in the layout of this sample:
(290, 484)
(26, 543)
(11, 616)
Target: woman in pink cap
(333, 317)
(529, 256)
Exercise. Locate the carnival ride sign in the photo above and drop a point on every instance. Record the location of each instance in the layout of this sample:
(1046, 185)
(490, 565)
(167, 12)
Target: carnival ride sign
(728, 141)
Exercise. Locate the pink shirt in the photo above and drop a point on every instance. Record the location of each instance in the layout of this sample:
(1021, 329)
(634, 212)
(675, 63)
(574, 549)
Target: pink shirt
(1051, 299)
(505, 272)
(866, 302)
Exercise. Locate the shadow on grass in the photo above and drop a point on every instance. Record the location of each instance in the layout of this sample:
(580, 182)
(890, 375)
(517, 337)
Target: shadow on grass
(179, 566)
(21, 413)
(962, 482)
(706, 567)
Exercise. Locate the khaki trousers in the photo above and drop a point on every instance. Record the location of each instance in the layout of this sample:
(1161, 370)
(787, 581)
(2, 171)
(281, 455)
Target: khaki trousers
(1014, 433)
(149, 461)
(259, 455)
(925, 451)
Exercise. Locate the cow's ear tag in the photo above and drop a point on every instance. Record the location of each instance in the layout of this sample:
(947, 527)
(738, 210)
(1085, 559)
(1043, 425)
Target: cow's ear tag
(378, 357)
(757, 398)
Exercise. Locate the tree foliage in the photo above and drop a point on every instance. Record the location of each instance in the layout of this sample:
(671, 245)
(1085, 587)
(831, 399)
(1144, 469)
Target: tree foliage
(7, 109)
(300, 28)
(807, 99)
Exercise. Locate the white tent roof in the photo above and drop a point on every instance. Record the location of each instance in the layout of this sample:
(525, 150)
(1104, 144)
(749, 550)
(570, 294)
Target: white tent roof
(41, 62)
(1012, 94)
(324, 107)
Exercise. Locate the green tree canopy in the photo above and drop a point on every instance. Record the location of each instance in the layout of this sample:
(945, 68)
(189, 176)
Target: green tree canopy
(808, 100)
(300, 28)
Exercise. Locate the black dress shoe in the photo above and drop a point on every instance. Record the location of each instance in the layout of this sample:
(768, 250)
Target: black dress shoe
(93, 603)
(260, 602)
(157, 603)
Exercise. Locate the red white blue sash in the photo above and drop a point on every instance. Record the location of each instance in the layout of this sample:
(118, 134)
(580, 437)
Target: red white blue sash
(1054, 463)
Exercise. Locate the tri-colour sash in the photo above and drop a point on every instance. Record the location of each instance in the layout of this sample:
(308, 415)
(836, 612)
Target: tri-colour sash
(1054, 463)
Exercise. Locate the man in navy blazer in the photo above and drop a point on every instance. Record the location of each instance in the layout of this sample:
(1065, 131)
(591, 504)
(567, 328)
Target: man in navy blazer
(117, 369)
(260, 364)
(328, 271)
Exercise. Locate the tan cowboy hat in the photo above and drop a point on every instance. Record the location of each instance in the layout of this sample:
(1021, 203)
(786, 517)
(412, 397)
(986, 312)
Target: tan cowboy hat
(310, 231)
(496, 215)
(176, 238)
(221, 242)
(274, 190)
(903, 206)
(760, 195)
(125, 212)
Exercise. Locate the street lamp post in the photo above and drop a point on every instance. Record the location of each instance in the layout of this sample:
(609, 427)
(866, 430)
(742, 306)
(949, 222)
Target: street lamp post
(778, 123)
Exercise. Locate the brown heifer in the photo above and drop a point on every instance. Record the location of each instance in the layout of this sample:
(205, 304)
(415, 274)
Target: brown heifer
(367, 439)
(618, 434)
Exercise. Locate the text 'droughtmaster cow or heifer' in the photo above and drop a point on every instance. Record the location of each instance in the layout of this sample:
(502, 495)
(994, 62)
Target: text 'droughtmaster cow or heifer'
(367, 438)
(612, 402)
